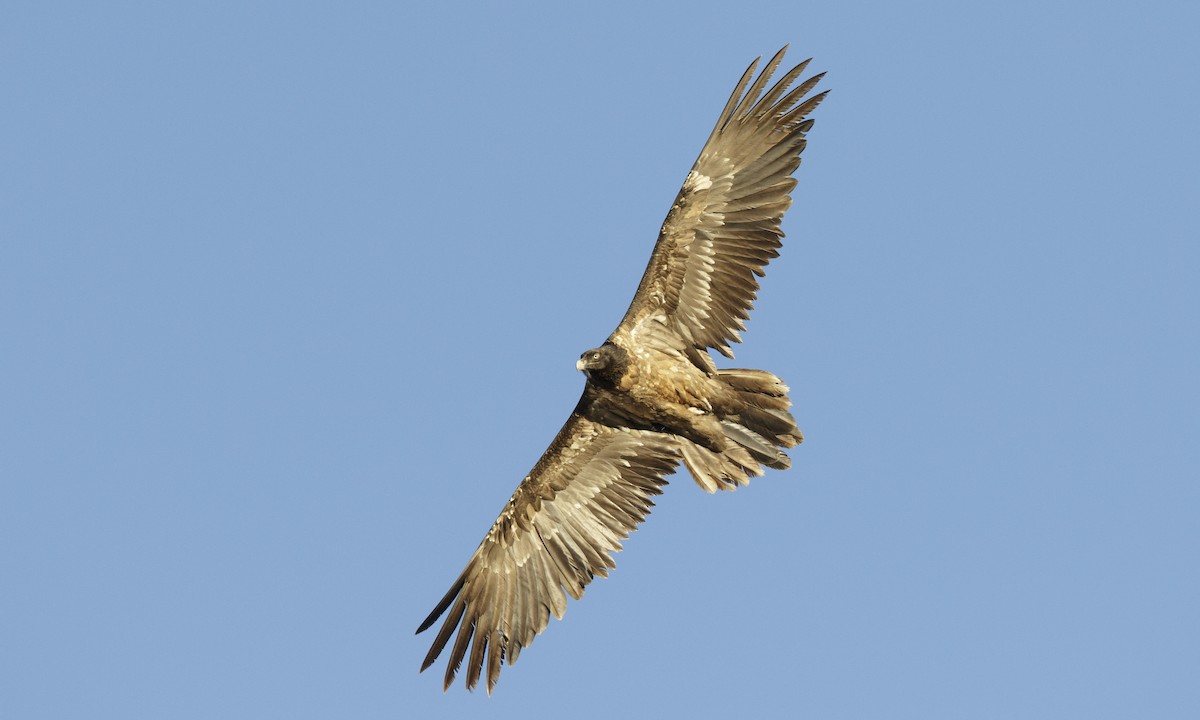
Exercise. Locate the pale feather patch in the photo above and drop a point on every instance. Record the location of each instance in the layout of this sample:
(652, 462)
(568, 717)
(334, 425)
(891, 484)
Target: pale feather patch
(698, 181)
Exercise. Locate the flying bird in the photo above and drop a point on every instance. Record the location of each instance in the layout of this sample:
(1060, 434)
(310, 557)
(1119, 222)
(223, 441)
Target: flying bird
(653, 396)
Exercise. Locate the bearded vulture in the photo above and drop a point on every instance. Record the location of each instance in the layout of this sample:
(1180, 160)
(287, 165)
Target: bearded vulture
(653, 396)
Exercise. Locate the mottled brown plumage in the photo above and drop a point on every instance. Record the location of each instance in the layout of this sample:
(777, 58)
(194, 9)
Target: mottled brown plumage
(654, 397)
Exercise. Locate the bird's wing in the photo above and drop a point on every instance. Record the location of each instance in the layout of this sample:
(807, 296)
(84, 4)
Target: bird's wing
(589, 490)
(724, 226)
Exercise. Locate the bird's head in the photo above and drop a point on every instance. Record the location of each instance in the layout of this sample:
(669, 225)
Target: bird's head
(604, 364)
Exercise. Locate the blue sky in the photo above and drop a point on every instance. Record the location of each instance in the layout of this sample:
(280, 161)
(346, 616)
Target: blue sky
(291, 296)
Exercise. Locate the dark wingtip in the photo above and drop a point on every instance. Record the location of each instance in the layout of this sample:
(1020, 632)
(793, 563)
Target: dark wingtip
(432, 617)
(444, 603)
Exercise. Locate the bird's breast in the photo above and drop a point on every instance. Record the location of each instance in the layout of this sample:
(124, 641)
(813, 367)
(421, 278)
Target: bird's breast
(658, 378)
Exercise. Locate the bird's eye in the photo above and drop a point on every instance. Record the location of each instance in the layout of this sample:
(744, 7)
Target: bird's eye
(595, 356)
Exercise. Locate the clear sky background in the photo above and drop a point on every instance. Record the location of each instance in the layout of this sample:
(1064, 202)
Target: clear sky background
(291, 296)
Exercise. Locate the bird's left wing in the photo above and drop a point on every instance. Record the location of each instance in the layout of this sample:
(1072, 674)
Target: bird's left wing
(589, 490)
(723, 227)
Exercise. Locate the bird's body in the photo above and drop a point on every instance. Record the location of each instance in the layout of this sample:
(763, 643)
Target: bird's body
(653, 385)
(653, 397)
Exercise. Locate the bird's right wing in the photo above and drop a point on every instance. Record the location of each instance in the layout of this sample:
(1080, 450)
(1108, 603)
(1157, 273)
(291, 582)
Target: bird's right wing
(589, 490)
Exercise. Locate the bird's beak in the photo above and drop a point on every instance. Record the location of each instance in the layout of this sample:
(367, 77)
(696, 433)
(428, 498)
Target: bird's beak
(579, 364)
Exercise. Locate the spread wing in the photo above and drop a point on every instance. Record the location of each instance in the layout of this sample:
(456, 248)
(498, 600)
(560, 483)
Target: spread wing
(590, 489)
(724, 226)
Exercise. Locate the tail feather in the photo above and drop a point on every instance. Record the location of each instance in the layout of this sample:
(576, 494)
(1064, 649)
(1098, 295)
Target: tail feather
(776, 425)
(763, 450)
(758, 382)
(714, 471)
(756, 424)
(762, 405)
(759, 419)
